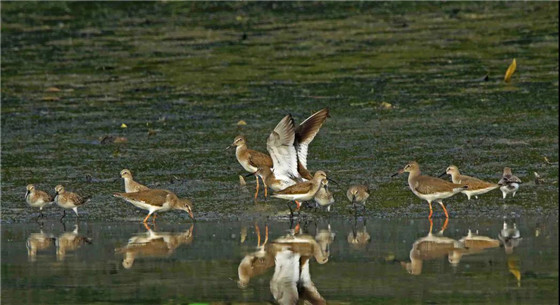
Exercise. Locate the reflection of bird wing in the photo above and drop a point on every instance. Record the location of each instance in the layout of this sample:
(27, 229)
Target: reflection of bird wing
(306, 288)
(306, 132)
(286, 275)
(431, 185)
(280, 146)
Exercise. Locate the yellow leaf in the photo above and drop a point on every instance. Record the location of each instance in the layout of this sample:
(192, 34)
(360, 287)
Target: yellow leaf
(241, 123)
(386, 105)
(510, 71)
(123, 125)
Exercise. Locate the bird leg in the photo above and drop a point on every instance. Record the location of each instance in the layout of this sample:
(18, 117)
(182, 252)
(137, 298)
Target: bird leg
(444, 225)
(265, 234)
(147, 217)
(431, 211)
(257, 190)
(444, 209)
(63, 215)
(431, 225)
(298, 205)
(258, 235)
(154, 218)
(291, 212)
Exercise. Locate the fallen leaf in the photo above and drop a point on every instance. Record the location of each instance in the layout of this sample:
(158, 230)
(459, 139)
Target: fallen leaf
(510, 71)
(52, 89)
(241, 123)
(386, 105)
(151, 132)
(50, 98)
(119, 140)
(546, 161)
(123, 125)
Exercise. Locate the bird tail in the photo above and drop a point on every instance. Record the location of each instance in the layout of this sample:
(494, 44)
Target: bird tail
(460, 189)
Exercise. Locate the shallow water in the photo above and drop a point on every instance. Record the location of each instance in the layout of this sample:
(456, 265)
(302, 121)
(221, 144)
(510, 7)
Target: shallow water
(366, 262)
(403, 81)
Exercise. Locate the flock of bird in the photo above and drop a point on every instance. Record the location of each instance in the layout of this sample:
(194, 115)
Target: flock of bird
(284, 170)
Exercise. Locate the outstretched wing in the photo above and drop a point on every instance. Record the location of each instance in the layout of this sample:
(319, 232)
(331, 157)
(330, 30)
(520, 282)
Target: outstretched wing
(306, 132)
(280, 146)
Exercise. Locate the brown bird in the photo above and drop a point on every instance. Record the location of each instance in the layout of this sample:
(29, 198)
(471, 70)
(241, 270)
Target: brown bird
(430, 188)
(303, 191)
(509, 184)
(68, 200)
(358, 194)
(131, 186)
(476, 186)
(155, 200)
(37, 199)
(280, 141)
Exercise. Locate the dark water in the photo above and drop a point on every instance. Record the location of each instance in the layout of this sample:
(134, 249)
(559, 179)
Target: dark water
(403, 81)
(361, 262)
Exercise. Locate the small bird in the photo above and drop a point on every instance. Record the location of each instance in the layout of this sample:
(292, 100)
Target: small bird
(131, 186)
(37, 199)
(68, 200)
(358, 194)
(303, 191)
(155, 200)
(250, 159)
(324, 197)
(509, 183)
(430, 188)
(476, 186)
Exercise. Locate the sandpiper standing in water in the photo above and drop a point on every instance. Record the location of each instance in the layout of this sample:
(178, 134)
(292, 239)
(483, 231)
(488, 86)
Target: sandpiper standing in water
(37, 199)
(430, 188)
(68, 200)
(155, 200)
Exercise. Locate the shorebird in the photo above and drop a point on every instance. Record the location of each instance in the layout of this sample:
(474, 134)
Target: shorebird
(155, 200)
(476, 186)
(358, 194)
(68, 200)
(430, 188)
(131, 186)
(509, 183)
(37, 199)
(252, 160)
(324, 197)
(303, 191)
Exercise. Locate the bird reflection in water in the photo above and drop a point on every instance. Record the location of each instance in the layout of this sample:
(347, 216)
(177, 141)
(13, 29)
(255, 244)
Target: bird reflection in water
(473, 244)
(358, 239)
(510, 237)
(38, 242)
(153, 244)
(290, 255)
(432, 246)
(69, 241)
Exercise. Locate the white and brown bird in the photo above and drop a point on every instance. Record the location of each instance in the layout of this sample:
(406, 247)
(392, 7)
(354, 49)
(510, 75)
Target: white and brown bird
(303, 191)
(285, 143)
(509, 184)
(476, 186)
(358, 194)
(324, 197)
(155, 200)
(131, 186)
(68, 200)
(37, 199)
(430, 188)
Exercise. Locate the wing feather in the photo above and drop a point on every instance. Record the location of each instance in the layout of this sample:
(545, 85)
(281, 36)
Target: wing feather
(280, 146)
(306, 132)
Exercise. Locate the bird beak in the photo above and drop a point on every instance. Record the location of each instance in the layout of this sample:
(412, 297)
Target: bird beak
(230, 146)
(26, 193)
(330, 180)
(443, 174)
(398, 173)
